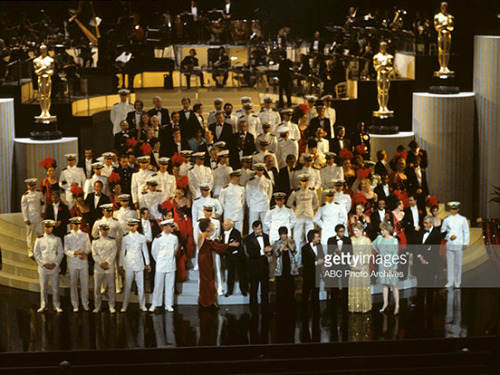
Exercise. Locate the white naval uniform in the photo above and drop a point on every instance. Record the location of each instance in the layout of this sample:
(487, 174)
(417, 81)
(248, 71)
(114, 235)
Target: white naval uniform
(48, 249)
(197, 210)
(104, 250)
(330, 173)
(246, 175)
(323, 145)
(270, 138)
(259, 194)
(107, 170)
(328, 217)
(138, 184)
(78, 268)
(119, 113)
(184, 169)
(344, 199)
(88, 188)
(167, 184)
(198, 175)
(269, 116)
(123, 215)
(259, 157)
(69, 176)
(31, 207)
(133, 258)
(163, 250)
(232, 198)
(311, 113)
(221, 178)
(293, 130)
(253, 123)
(314, 177)
(151, 200)
(276, 218)
(285, 148)
(211, 117)
(233, 121)
(306, 202)
(455, 225)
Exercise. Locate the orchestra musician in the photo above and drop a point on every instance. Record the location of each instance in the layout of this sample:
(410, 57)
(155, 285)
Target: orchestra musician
(190, 65)
(221, 68)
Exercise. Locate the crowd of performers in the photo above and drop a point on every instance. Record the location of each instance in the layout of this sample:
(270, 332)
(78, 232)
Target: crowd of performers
(259, 198)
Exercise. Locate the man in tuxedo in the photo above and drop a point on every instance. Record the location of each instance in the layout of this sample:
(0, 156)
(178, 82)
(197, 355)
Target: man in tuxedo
(86, 162)
(187, 65)
(337, 245)
(427, 262)
(317, 45)
(312, 256)
(319, 122)
(413, 221)
(195, 122)
(381, 165)
(134, 117)
(417, 182)
(121, 138)
(259, 250)
(378, 216)
(383, 190)
(285, 80)
(221, 68)
(286, 176)
(242, 145)
(221, 130)
(415, 151)
(271, 172)
(94, 200)
(235, 258)
(185, 114)
(339, 142)
(58, 212)
(125, 172)
(162, 113)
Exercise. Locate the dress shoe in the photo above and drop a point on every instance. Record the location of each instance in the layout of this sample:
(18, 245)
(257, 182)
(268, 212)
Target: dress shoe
(86, 308)
(456, 286)
(396, 311)
(169, 308)
(227, 295)
(112, 310)
(59, 310)
(244, 294)
(96, 310)
(143, 308)
(75, 309)
(41, 309)
(449, 285)
(123, 310)
(383, 309)
(152, 308)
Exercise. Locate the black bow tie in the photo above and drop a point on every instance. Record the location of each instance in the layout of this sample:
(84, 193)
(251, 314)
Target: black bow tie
(260, 235)
(219, 124)
(427, 231)
(98, 195)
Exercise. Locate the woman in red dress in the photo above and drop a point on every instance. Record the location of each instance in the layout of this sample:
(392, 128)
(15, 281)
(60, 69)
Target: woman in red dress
(303, 130)
(51, 182)
(206, 297)
(398, 215)
(181, 181)
(80, 209)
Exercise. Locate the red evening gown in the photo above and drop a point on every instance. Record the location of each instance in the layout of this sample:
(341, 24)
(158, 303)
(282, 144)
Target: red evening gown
(206, 297)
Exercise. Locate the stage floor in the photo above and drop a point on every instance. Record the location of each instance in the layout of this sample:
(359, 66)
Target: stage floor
(460, 313)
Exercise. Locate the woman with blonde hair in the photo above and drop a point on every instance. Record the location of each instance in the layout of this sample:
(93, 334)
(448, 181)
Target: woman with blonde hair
(360, 299)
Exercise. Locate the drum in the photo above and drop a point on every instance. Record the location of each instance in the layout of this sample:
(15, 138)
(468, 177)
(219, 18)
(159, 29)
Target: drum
(240, 31)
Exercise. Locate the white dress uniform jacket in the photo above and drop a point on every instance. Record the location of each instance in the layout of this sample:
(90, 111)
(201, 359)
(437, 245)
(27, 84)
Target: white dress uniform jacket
(271, 116)
(119, 113)
(329, 216)
(31, 207)
(276, 218)
(104, 250)
(48, 249)
(88, 188)
(294, 130)
(163, 250)
(123, 215)
(270, 138)
(115, 229)
(134, 252)
(259, 193)
(197, 208)
(69, 176)
(329, 173)
(221, 178)
(306, 202)
(167, 184)
(253, 122)
(232, 198)
(343, 199)
(198, 175)
(139, 179)
(151, 200)
(73, 241)
(314, 177)
(285, 148)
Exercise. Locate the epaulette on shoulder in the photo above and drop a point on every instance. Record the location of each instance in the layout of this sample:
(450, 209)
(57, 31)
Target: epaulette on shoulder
(254, 115)
(27, 192)
(158, 236)
(226, 186)
(159, 191)
(40, 236)
(191, 167)
(65, 168)
(144, 192)
(252, 178)
(197, 198)
(272, 135)
(126, 234)
(114, 218)
(111, 238)
(337, 203)
(241, 116)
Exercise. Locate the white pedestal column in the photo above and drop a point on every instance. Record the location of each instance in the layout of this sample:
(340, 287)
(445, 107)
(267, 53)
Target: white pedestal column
(30, 153)
(389, 143)
(444, 127)
(487, 89)
(6, 153)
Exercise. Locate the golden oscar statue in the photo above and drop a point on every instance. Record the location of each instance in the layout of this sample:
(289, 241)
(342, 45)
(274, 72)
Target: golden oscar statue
(384, 65)
(44, 69)
(443, 23)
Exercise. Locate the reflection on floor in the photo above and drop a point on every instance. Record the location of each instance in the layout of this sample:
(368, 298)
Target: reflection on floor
(455, 313)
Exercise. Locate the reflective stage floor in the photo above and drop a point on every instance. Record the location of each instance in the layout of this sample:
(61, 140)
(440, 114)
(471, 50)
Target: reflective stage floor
(459, 313)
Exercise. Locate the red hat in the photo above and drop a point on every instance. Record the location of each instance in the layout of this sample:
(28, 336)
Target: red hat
(48, 163)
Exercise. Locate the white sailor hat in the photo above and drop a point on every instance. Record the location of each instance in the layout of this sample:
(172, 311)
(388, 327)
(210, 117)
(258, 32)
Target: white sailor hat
(279, 195)
(266, 125)
(245, 98)
(186, 153)
(106, 206)
(330, 192)
(223, 153)
(70, 156)
(453, 205)
(247, 158)
(236, 172)
(199, 155)
(97, 165)
(267, 99)
(208, 207)
(338, 182)
(49, 223)
(204, 187)
(327, 97)
(311, 98)
(152, 182)
(104, 226)
(168, 222)
(288, 111)
(218, 100)
(75, 220)
(330, 155)
(109, 155)
(144, 158)
(133, 221)
(31, 181)
(303, 177)
(369, 163)
(283, 130)
(124, 197)
(164, 160)
(220, 144)
(123, 92)
(259, 166)
(248, 105)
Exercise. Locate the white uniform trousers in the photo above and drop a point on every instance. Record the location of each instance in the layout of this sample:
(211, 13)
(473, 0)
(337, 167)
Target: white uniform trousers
(327, 232)
(33, 231)
(454, 267)
(164, 282)
(218, 278)
(238, 223)
(139, 280)
(83, 275)
(99, 277)
(45, 276)
(302, 226)
(254, 215)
